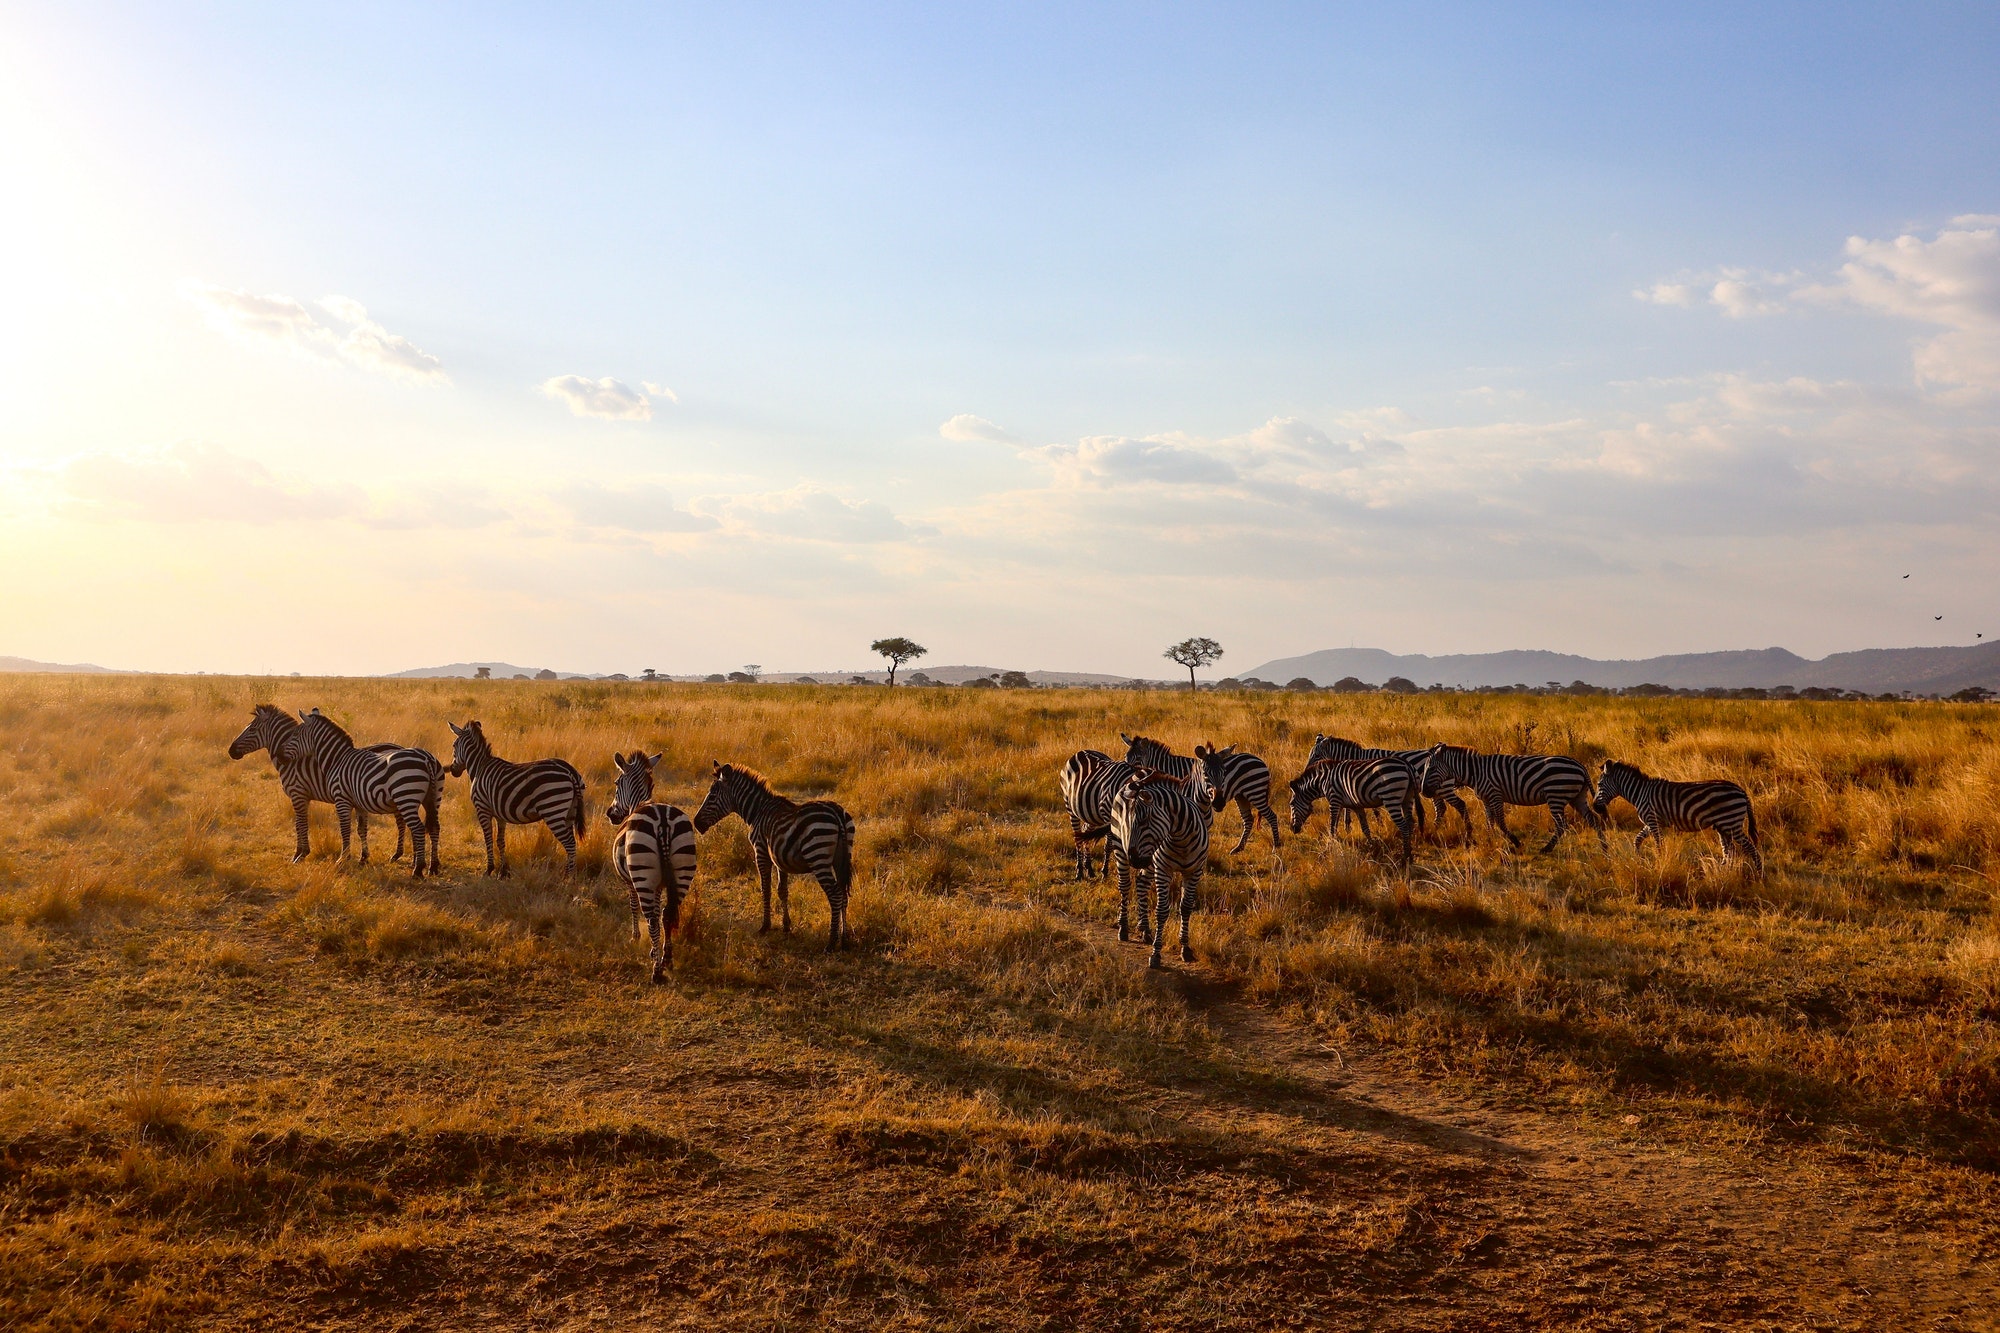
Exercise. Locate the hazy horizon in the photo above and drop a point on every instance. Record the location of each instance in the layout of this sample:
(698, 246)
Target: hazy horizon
(354, 341)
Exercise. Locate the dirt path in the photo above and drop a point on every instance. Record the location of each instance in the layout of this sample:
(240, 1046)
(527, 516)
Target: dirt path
(1646, 1231)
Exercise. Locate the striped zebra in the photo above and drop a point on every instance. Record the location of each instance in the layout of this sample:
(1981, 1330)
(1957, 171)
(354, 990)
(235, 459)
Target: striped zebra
(1685, 807)
(1090, 778)
(1386, 783)
(301, 778)
(1162, 825)
(1501, 780)
(791, 837)
(545, 791)
(654, 854)
(1225, 774)
(404, 783)
(1437, 786)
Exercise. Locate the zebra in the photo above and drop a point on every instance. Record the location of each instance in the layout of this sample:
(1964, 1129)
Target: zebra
(1501, 780)
(1359, 784)
(1686, 807)
(1162, 825)
(1242, 778)
(1090, 779)
(1436, 785)
(301, 778)
(545, 791)
(789, 837)
(654, 854)
(405, 783)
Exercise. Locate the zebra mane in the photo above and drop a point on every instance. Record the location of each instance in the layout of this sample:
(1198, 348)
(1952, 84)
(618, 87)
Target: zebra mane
(756, 779)
(271, 712)
(1315, 766)
(335, 727)
(1623, 767)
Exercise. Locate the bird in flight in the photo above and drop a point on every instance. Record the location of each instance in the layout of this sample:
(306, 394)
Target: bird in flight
(1906, 576)
(1937, 617)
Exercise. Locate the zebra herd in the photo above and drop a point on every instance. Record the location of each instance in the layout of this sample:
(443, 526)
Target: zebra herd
(653, 851)
(1153, 809)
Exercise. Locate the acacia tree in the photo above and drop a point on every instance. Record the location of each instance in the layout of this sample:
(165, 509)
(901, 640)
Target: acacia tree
(898, 651)
(1193, 653)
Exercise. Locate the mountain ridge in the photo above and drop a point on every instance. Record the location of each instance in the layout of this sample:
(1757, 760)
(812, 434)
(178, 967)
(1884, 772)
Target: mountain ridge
(1873, 670)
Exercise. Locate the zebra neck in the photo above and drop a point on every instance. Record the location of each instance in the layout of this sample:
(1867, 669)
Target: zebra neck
(760, 806)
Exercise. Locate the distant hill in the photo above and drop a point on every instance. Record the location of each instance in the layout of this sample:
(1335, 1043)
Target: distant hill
(1875, 670)
(29, 664)
(501, 671)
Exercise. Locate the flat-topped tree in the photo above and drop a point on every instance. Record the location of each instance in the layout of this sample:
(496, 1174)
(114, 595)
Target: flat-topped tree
(1194, 653)
(898, 650)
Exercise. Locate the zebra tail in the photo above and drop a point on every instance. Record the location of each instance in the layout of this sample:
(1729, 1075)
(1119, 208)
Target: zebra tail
(576, 807)
(843, 859)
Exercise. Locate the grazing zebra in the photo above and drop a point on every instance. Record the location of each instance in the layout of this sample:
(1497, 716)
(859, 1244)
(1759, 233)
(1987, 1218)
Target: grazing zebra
(301, 778)
(546, 791)
(654, 853)
(1386, 783)
(1686, 807)
(1090, 779)
(1162, 825)
(791, 837)
(404, 783)
(1437, 785)
(1242, 778)
(1501, 780)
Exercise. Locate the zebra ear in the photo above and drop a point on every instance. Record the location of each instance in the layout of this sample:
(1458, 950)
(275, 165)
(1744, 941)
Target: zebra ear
(654, 762)
(618, 758)
(1123, 737)
(717, 764)
(456, 730)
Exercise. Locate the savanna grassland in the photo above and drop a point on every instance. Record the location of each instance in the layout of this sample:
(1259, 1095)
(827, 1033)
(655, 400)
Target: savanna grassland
(1582, 1090)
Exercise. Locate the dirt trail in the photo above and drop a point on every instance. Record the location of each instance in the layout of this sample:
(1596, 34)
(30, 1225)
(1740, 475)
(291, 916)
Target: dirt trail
(1647, 1231)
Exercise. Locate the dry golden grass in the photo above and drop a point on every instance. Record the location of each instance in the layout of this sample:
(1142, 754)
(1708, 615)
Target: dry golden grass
(238, 1091)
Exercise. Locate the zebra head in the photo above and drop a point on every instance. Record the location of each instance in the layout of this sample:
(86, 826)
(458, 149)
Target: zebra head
(1306, 792)
(1207, 761)
(1143, 750)
(267, 731)
(721, 799)
(1450, 760)
(635, 784)
(467, 744)
(1616, 780)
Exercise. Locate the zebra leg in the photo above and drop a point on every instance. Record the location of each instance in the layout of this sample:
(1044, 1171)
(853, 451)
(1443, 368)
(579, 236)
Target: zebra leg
(836, 910)
(413, 816)
(1249, 814)
(1162, 880)
(785, 899)
(1646, 830)
(1555, 812)
(361, 828)
(670, 922)
(1589, 816)
(658, 941)
(500, 838)
(1464, 814)
(764, 882)
(1124, 900)
(1190, 889)
(1079, 850)
(567, 837)
(1496, 815)
(486, 832)
(1270, 822)
(299, 825)
(638, 908)
(344, 813)
(399, 841)
(1401, 818)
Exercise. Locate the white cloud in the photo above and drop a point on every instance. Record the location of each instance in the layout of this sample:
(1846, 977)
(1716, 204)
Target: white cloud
(659, 391)
(191, 483)
(1111, 460)
(607, 398)
(1667, 293)
(1952, 281)
(645, 507)
(372, 347)
(287, 323)
(968, 429)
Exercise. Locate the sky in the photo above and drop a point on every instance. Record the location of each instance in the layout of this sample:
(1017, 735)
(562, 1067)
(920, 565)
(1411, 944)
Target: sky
(350, 339)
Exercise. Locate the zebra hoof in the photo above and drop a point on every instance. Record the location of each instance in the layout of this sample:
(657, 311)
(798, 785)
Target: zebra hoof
(1187, 954)
(1156, 960)
(659, 975)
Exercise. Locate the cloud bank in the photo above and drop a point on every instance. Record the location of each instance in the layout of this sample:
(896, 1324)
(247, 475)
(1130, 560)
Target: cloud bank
(606, 399)
(284, 322)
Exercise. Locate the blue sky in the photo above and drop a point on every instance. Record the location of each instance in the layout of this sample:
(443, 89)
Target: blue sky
(688, 337)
